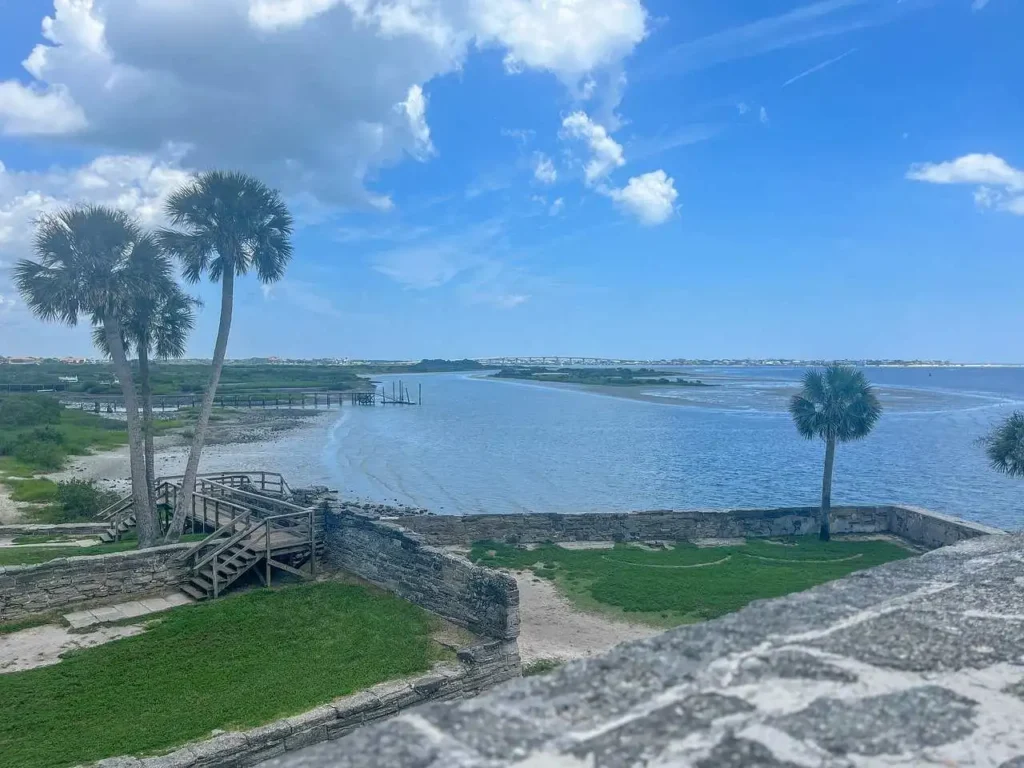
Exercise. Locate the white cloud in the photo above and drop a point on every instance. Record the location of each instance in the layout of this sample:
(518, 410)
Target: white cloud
(974, 168)
(556, 207)
(415, 109)
(650, 198)
(742, 107)
(305, 95)
(26, 111)
(606, 153)
(567, 37)
(543, 169)
(978, 5)
(763, 116)
(999, 183)
(138, 184)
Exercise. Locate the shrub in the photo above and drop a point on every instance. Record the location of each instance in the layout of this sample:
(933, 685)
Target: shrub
(46, 434)
(28, 411)
(43, 456)
(81, 499)
(7, 444)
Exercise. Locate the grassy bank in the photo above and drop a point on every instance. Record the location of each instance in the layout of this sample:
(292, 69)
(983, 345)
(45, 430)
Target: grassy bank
(38, 435)
(667, 587)
(232, 663)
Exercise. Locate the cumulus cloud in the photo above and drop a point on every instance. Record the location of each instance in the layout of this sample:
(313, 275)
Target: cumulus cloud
(650, 198)
(556, 207)
(313, 95)
(138, 184)
(567, 37)
(605, 153)
(26, 111)
(763, 116)
(543, 169)
(998, 184)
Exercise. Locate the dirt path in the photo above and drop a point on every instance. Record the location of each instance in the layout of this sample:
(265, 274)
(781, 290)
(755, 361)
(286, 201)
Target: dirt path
(552, 628)
(42, 646)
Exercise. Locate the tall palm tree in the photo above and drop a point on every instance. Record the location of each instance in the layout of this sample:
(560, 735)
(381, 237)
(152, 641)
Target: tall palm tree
(158, 323)
(836, 405)
(87, 260)
(224, 225)
(1004, 446)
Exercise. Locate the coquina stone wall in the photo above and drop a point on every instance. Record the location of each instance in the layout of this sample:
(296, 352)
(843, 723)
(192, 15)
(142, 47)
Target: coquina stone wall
(32, 589)
(916, 525)
(481, 600)
(478, 668)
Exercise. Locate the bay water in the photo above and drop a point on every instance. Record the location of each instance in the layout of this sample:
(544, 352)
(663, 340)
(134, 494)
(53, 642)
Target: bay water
(481, 445)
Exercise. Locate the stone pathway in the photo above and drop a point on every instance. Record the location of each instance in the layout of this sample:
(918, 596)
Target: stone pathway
(129, 610)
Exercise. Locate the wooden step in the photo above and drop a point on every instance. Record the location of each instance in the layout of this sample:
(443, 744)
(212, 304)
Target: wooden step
(193, 592)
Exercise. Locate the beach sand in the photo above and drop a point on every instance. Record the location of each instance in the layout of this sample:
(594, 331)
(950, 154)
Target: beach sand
(551, 627)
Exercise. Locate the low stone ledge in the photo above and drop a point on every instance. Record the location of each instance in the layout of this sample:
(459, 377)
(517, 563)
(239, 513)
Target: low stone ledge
(71, 530)
(920, 526)
(70, 582)
(337, 719)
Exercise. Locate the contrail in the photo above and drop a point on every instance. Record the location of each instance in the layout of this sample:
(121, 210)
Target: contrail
(816, 67)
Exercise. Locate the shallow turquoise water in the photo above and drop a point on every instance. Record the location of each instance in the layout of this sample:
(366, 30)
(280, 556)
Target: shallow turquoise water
(480, 445)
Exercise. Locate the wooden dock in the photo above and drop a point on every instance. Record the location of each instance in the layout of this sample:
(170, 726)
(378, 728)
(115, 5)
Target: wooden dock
(285, 400)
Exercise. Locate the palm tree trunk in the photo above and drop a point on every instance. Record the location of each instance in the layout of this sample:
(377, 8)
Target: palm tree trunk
(826, 490)
(146, 388)
(140, 497)
(220, 349)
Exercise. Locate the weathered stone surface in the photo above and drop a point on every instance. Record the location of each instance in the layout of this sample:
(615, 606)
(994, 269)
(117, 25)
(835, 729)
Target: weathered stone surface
(482, 600)
(907, 721)
(889, 665)
(58, 584)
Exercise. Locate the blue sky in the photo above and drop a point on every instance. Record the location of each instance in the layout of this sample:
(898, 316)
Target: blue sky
(591, 177)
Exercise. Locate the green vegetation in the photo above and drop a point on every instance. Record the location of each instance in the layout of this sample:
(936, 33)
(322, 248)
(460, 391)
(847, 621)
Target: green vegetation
(34, 490)
(236, 662)
(606, 377)
(686, 583)
(540, 667)
(39, 434)
(1004, 445)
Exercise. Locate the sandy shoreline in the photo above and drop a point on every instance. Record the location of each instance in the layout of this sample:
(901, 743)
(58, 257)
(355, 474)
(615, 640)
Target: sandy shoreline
(249, 440)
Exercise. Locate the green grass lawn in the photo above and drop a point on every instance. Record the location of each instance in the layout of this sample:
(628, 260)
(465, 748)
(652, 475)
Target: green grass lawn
(232, 663)
(687, 583)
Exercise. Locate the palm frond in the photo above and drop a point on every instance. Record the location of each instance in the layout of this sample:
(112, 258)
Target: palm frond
(838, 403)
(225, 220)
(1004, 446)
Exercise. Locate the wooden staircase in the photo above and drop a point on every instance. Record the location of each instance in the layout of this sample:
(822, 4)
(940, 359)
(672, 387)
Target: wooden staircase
(238, 559)
(121, 518)
(252, 525)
